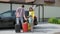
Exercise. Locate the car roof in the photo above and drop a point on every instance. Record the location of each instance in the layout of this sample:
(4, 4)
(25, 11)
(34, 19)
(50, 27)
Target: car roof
(11, 11)
(8, 11)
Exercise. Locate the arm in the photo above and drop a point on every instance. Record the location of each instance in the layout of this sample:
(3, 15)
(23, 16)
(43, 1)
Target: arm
(24, 15)
(33, 6)
(33, 14)
(16, 13)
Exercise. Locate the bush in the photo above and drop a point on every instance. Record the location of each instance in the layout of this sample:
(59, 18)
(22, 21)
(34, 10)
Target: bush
(55, 21)
(58, 21)
(52, 20)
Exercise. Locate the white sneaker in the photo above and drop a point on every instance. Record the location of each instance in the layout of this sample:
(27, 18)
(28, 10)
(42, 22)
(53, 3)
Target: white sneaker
(21, 30)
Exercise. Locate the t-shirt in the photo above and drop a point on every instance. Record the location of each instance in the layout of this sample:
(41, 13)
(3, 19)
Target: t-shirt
(31, 13)
(20, 12)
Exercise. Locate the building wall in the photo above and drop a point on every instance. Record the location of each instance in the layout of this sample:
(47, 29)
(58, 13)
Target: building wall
(50, 11)
(4, 7)
(39, 2)
(57, 3)
(4, 0)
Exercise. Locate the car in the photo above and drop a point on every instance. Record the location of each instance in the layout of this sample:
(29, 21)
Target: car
(8, 19)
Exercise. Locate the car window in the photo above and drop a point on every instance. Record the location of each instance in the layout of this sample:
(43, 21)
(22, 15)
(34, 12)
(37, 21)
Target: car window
(13, 13)
(7, 14)
(26, 13)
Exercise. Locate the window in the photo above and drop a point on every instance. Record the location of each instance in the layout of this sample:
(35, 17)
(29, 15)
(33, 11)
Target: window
(7, 14)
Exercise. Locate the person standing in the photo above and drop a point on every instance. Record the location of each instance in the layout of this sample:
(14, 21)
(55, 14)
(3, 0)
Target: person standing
(20, 14)
(31, 17)
(31, 12)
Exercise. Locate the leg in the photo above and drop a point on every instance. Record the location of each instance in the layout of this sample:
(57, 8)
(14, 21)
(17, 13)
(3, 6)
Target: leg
(32, 26)
(31, 23)
(21, 19)
(17, 25)
(17, 20)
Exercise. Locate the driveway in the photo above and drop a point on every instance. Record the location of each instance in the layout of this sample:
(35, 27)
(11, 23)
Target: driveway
(44, 28)
(47, 28)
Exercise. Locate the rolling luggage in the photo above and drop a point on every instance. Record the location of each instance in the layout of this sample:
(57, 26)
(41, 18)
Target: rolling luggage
(29, 27)
(25, 27)
(17, 28)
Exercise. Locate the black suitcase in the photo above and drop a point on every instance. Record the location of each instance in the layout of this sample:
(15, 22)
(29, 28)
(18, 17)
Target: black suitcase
(17, 28)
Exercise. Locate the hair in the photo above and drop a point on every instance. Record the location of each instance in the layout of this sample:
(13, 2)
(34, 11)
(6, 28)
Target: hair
(24, 21)
(23, 6)
(30, 8)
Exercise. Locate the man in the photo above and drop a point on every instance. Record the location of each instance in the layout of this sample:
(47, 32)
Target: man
(20, 14)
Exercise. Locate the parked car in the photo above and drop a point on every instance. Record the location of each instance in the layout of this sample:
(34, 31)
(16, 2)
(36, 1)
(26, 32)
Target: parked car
(7, 19)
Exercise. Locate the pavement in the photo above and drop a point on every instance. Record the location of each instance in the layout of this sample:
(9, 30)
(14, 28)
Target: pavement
(45, 28)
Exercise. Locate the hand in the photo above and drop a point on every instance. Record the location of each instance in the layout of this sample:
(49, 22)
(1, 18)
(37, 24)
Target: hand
(25, 18)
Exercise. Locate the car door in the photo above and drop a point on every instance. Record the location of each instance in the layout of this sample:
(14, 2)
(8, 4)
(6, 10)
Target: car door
(5, 19)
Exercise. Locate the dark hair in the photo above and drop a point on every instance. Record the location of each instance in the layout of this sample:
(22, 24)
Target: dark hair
(23, 6)
(25, 21)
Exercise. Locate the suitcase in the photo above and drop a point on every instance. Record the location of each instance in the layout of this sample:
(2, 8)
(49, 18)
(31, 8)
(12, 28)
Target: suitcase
(29, 27)
(25, 27)
(17, 28)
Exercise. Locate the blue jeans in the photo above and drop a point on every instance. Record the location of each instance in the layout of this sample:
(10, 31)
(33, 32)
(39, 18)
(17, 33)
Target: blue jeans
(17, 20)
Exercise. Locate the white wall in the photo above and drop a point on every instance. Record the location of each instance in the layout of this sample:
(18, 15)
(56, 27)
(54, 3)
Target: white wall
(50, 11)
(15, 6)
(4, 7)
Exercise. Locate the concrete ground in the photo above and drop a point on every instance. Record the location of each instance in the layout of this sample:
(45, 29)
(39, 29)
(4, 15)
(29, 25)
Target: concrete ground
(45, 28)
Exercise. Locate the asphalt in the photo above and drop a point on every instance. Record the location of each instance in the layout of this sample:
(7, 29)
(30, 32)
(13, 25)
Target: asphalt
(41, 28)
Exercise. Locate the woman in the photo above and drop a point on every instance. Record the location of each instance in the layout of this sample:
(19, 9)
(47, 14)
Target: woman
(31, 17)
(31, 12)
